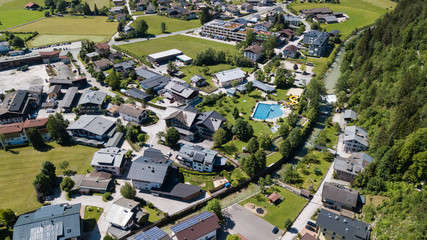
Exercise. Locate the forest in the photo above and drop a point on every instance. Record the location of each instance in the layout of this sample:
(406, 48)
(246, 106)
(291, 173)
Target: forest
(384, 80)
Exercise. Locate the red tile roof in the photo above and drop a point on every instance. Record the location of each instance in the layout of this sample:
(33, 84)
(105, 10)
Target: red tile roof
(30, 4)
(11, 128)
(102, 46)
(35, 122)
(274, 197)
(52, 53)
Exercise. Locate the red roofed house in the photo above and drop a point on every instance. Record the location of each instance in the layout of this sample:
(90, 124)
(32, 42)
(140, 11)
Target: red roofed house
(15, 133)
(50, 57)
(202, 226)
(103, 49)
(32, 6)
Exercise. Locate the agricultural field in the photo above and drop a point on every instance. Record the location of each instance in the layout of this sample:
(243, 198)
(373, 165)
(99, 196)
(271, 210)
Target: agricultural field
(172, 24)
(189, 45)
(276, 214)
(19, 166)
(13, 13)
(99, 3)
(72, 28)
(360, 12)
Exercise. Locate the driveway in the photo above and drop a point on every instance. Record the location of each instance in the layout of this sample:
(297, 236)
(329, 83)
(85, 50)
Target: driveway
(240, 220)
(167, 205)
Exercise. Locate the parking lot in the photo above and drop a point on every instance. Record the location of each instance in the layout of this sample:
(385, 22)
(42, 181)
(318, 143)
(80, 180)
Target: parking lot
(240, 220)
(35, 75)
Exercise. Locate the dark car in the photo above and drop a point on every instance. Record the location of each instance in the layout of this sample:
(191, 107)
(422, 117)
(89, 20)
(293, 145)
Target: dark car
(275, 230)
(311, 224)
(310, 228)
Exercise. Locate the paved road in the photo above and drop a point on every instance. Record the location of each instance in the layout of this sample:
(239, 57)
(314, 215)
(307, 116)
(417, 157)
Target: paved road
(240, 220)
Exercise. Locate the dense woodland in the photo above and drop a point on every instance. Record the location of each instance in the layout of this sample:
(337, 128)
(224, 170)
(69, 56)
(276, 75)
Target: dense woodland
(383, 79)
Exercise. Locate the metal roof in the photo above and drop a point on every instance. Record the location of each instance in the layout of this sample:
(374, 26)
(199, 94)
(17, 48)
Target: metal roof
(262, 86)
(167, 53)
(115, 140)
(121, 212)
(339, 193)
(230, 75)
(351, 229)
(92, 97)
(198, 154)
(149, 168)
(93, 124)
(111, 156)
(67, 101)
(136, 93)
(350, 114)
(54, 222)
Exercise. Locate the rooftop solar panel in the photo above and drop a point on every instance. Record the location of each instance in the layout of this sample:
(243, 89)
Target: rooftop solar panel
(154, 233)
(190, 222)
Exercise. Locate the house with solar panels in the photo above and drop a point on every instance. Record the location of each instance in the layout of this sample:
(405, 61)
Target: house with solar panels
(202, 226)
(55, 222)
(154, 233)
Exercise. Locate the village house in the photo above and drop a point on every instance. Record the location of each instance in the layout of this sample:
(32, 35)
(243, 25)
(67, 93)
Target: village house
(317, 41)
(96, 182)
(32, 6)
(263, 26)
(93, 56)
(103, 49)
(290, 51)
(92, 130)
(198, 81)
(109, 159)
(153, 233)
(151, 80)
(132, 113)
(355, 139)
(226, 78)
(181, 92)
(350, 115)
(102, 64)
(91, 101)
(333, 226)
(201, 226)
(192, 124)
(124, 66)
(16, 106)
(60, 221)
(16, 133)
(198, 158)
(339, 197)
(253, 52)
(292, 20)
(347, 169)
(54, 91)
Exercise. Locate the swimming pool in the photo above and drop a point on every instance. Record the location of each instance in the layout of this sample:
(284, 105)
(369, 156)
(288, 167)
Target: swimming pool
(267, 111)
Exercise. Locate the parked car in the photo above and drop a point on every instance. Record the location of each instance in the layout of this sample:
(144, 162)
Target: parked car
(50, 110)
(275, 230)
(311, 224)
(310, 228)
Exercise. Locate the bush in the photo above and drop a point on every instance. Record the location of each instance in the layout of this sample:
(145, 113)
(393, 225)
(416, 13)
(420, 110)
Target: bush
(106, 196)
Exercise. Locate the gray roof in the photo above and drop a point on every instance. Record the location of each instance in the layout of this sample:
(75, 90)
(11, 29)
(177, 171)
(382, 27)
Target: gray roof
(184, 116)
(136, 93)
(54, 89)
(121, 212)
(93, 124)
(334, 32)
(152, 79)
(211, 120)
(125, 65)
(111, 157)
(316, 10)
(115, 140)
(262, 86)
(181, 90)
(291, 18)
(69, 96)
(92, 54)
(331, 19)
(92, 97)
(357, 134)
(230, 75)
(340, 194)
(351, 229)
(350, 114)
(171, 52)
(197, 78)
(149, 168)
(197, 154)
(315, 37)
(54, 222)
(14, 101)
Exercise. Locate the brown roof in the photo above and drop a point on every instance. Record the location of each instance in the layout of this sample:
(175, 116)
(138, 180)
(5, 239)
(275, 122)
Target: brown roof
(339, 193)
(291, 48)
(130, 110)
(102, 63)
(49, 54)
(30, 4)
(274, 197)
(305, 193)
(113, 109)
(11, 128)
(308, 236)
(102, 46)
(35, 123)
(199, 229)
(254, 48)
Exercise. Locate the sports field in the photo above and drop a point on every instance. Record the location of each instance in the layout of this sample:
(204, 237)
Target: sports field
(191, 46)
(68, 29)
(360, 12)
(173, 25)
(19, 166)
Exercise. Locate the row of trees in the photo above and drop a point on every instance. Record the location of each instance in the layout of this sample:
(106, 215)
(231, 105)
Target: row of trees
(212, 57)
(75, 7)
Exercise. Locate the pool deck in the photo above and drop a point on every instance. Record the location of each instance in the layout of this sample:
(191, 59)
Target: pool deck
(286, 112)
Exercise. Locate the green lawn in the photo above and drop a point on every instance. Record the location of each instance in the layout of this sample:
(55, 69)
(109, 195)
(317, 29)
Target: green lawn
(274, 157)
(154, 214)
(312, 178)
(70, 28)
(191, 46)
(19, 166)
(92, 215)
(204, 181)
(11, 18)
(290, 207)
(172, 25)
(360, 12)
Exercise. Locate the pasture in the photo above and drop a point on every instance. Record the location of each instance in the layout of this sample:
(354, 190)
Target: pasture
(173, 25)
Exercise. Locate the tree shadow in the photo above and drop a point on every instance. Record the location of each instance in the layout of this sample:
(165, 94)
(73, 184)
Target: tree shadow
(44, 148)
(89, 224)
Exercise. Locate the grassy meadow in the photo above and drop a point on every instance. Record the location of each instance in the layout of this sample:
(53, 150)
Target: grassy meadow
(172, 24)
(19, 166)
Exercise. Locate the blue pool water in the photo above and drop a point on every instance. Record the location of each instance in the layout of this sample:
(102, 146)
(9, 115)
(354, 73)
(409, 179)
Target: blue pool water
(267, 111)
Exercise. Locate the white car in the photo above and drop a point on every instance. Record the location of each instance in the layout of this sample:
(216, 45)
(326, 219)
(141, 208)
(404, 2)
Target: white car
(50, 110)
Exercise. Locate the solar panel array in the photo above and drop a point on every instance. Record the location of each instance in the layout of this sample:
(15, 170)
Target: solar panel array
(190, 222)
(154, 233)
